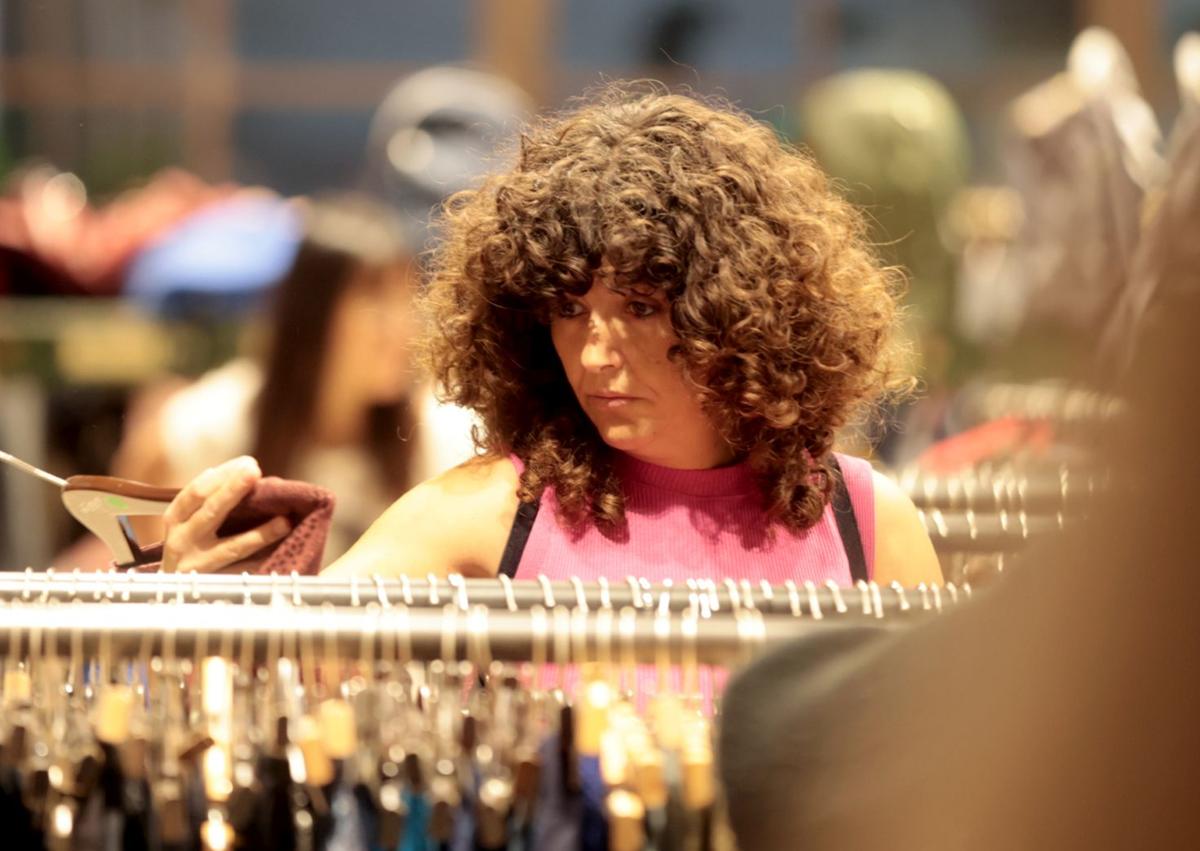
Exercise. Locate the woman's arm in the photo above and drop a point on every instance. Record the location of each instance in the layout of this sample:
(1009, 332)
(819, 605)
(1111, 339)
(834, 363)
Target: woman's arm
(457, 522)
(903, 551)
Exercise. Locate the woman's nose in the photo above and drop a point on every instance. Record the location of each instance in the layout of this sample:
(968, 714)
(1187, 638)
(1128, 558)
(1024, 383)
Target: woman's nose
(600, 350)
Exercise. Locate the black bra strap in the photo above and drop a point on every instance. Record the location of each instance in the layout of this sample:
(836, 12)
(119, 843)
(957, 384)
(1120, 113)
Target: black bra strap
(847, 523)
(518, 536)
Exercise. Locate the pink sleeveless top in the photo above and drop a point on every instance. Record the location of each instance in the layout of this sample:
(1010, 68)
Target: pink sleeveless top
(703, 524)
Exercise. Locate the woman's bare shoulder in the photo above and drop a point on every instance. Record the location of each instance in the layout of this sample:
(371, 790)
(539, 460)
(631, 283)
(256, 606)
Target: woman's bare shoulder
(903, 551)
(456, 522)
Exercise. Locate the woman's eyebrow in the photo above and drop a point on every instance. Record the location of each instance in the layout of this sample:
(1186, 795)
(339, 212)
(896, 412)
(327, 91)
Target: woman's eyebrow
(643, 290)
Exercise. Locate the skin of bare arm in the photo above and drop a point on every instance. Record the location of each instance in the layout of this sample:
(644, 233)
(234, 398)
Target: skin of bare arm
(903, 551)
(457, 522)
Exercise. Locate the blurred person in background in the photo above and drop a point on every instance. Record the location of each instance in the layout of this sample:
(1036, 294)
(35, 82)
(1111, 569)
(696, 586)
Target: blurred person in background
(897, 142)
(662, 316)
(335, 401)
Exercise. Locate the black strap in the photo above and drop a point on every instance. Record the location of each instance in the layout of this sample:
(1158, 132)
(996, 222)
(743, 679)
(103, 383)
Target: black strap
(847, 523)
(518, 536)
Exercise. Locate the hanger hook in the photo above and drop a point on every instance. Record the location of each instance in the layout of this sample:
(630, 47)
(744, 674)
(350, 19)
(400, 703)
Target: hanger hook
(297, 597)
(538, 645)
(793, 598)
(47, 582)
(747, 592)
(510, 599)
(604, 638)
(605, 596)
(627, 627)
(839, 604)
(864, 592)
(662, 637)
(404, 647)
(635, 593)
(246, 655)
(735, 599)
(814, 602)
(876, 598)
(366, 646)
(581, 602)
(547, 592)
(381, 591)
(562, 646)
(332, 660)
(459, 589)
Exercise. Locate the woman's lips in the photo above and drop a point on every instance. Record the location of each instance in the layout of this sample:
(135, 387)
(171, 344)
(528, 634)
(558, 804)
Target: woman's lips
(611, 400)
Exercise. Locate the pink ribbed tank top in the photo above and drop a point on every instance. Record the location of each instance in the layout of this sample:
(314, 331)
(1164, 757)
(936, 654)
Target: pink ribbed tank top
(703, 524)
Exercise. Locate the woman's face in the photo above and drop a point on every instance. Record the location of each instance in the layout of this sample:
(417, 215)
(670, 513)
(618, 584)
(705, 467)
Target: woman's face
(368, 357)
(613, 343)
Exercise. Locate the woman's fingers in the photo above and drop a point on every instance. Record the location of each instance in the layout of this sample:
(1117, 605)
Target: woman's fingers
(189, 500)
(221, 553)
(197, 512)
(231, 488)
(242, 546)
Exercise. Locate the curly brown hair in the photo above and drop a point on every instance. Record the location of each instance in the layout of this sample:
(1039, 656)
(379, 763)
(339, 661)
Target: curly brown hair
(782, 310)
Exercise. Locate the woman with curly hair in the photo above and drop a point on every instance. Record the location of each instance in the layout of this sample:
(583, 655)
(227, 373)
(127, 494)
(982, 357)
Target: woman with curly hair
(662, 316)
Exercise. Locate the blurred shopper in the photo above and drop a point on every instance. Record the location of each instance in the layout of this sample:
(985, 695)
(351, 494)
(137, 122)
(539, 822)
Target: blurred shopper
(336, 401)
(898, 143)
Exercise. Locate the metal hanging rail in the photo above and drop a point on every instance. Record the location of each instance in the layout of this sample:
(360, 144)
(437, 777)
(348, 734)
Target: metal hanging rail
(805, 599)
(131, 631)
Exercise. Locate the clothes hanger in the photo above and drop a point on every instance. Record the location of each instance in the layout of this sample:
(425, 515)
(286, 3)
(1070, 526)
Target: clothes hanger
(102, 504)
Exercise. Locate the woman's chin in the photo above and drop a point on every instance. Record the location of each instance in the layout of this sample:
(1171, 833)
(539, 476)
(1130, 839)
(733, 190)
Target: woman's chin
(622, 438)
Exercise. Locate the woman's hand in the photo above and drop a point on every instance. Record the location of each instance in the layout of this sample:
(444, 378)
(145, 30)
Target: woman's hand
(192, 519)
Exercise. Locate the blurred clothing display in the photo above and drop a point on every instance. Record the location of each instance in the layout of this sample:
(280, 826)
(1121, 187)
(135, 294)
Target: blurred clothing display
(53, 242)
(1085, 153)
(435, 132)
(898, 142)
(1166, 263)
(220, 263)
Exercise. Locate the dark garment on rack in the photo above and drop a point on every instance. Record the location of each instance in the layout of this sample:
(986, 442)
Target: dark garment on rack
(15, 818)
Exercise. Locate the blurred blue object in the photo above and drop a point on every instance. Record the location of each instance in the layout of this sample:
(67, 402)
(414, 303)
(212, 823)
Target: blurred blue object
(218, 263)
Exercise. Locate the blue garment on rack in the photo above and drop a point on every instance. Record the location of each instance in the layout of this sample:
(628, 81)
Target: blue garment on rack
(564, 822)
(416, 830)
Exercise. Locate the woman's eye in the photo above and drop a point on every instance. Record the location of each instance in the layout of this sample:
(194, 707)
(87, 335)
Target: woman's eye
(642, 309)
(568, 309)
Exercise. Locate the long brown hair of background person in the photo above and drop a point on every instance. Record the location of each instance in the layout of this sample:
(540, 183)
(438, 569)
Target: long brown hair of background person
(348, 239)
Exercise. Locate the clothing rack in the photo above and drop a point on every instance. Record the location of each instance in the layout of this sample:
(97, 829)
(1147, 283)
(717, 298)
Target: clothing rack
(560, 635)
(1002, 532)
(869, 601)
(1051, 400)
(1065, 490)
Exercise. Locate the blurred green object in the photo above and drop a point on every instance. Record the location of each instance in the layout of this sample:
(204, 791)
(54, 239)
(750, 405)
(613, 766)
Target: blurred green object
(106, 342)
(898, 144)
